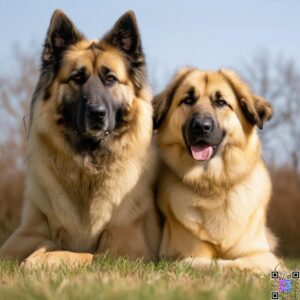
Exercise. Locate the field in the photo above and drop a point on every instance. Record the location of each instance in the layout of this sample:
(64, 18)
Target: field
(112, 278)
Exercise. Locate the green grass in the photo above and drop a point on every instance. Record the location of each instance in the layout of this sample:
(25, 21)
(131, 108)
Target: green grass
(112, 278)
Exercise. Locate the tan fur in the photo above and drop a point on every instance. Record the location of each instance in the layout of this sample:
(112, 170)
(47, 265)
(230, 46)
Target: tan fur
(86, 205)
(214, 210)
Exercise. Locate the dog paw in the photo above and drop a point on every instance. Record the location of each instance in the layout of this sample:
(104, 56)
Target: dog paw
(38, 261)
(52, 260)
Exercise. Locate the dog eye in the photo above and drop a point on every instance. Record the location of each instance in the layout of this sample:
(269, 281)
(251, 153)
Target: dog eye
(109, 79)
(220, 103)
(189, 100)
(79, 78)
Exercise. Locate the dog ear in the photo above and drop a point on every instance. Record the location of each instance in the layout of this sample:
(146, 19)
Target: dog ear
(61, 34)
(125, 36)
(162, 102)
(256, 109)
(263, 107)
(160, 108)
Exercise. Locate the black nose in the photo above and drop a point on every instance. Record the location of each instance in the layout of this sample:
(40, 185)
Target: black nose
(97, 117)
(97, 112)
(202, 125)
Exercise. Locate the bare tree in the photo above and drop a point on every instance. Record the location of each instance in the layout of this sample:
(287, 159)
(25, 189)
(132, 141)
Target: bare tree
(278, 80)
(16, 88)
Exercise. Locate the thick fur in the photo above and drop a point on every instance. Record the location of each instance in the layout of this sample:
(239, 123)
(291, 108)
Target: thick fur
(214, 209)
(82, 201)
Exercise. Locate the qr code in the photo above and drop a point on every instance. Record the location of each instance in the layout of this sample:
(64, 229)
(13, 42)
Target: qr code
(274, 295)
(295, 275)
(285, 286)
(274, 275)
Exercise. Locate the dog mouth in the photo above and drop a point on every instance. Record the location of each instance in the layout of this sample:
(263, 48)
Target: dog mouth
(204, 151)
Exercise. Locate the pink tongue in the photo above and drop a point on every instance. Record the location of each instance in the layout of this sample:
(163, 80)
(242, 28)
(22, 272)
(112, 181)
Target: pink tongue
(202, 152)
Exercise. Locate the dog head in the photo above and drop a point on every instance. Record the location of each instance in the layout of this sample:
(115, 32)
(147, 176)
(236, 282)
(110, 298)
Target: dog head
(90, 86)
(201, 116)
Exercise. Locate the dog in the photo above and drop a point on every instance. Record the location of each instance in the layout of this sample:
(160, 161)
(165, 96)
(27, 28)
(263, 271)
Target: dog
(213, 187)
(91, 162)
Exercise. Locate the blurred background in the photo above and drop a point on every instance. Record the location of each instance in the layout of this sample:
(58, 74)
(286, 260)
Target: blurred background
(259, 39)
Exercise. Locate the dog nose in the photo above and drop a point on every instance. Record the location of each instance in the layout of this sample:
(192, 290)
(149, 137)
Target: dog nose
(202, 125)
(97, 117)
(97, 112)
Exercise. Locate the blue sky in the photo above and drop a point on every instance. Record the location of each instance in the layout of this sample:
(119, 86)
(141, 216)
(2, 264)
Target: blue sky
(207, 34)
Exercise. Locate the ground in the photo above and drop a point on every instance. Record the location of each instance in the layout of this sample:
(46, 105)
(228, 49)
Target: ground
(119, 278)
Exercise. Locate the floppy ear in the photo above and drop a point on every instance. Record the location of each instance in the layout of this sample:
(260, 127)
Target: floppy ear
(162, 102)
(160, 108)
(125, 36)
(61, 34)
(263, 108)
(256, 109)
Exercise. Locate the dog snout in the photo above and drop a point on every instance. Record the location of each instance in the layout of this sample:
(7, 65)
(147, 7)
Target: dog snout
(97, 112)
(97, 116)
(202, 128)
(202, 125)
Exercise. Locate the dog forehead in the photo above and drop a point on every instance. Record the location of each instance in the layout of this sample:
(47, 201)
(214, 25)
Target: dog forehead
(90, 55)
(217, 82)
(112, 59)
(214, 81)
(191, 80)
(203, 82)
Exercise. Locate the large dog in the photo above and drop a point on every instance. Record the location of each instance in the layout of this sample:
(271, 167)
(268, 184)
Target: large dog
(214, 187)
(91, 165)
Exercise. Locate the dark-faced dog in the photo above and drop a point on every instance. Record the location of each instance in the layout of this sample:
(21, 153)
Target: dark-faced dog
(91, 165)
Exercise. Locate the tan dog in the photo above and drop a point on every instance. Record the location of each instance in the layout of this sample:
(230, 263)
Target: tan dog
(91, 164)
(214, 187)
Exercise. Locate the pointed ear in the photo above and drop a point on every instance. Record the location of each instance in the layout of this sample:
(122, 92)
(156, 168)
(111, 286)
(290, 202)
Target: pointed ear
(163, 101)
(126, 37)
(61, 34)
(256, 109)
